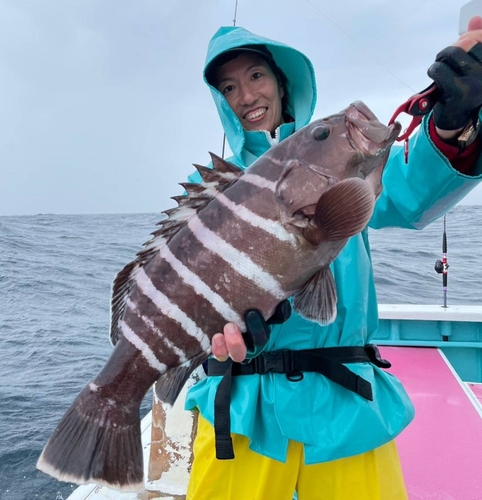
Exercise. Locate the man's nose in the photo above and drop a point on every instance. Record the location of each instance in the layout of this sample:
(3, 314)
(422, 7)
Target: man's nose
(247, 95)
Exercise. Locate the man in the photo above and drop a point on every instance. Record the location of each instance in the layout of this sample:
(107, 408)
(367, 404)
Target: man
(311, 434)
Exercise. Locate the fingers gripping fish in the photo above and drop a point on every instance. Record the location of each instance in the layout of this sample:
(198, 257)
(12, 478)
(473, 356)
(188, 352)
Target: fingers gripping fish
(237, 240)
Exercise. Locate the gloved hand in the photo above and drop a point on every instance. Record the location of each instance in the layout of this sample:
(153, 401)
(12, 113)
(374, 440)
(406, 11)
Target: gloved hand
(259, 330)
(458, 76)
(232, 343)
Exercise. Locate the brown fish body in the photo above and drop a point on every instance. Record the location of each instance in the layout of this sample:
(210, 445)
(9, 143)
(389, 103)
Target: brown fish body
(237, 241)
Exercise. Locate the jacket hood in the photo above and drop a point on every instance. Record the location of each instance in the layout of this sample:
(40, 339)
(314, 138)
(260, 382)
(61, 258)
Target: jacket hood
(296, 66)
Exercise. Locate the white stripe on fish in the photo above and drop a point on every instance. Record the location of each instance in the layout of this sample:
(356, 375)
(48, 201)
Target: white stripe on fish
(152, 327)
(259, 181)
(146, 351)
(239, 261)
(192, 279)
(172, 310)
(270, 226)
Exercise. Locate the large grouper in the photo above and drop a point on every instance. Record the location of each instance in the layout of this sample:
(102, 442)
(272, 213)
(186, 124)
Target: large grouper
(238, 240)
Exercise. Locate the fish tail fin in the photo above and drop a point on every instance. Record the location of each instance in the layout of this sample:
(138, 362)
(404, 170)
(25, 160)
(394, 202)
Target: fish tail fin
(97, 441)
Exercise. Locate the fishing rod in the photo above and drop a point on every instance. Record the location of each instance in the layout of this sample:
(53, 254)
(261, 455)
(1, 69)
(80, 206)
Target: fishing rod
(441, 265)
(234, 24)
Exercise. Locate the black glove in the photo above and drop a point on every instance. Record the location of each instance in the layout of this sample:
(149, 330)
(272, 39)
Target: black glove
(458, 76)
(258, 330)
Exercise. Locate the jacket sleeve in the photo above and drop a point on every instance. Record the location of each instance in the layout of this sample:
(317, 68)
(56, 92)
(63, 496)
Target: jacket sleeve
(419, 192)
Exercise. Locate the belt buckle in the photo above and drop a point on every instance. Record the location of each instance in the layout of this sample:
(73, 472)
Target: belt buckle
(268, 362)
(376, 357)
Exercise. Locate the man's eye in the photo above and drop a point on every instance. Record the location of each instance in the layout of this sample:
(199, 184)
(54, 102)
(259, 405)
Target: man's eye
(228, 89)
(257, 75)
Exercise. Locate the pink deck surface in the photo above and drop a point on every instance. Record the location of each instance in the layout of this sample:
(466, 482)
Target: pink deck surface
(477, 390)
(441, 450)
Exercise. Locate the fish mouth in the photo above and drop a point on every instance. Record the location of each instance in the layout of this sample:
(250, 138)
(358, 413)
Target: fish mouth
(365, 133)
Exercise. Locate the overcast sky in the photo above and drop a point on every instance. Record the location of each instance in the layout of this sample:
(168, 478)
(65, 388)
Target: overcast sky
(102, 104)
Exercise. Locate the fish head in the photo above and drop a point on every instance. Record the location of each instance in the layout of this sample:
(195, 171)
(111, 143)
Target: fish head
(349, 144)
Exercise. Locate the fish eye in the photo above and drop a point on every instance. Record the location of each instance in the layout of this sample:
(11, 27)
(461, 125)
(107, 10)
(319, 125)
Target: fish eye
(321, 133)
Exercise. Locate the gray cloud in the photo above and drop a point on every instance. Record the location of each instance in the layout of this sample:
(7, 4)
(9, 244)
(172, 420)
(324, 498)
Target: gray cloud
(102, 104)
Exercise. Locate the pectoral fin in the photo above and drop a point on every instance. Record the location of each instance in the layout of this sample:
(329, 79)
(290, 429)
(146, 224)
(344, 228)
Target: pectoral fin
(341, 212)
(317, 300)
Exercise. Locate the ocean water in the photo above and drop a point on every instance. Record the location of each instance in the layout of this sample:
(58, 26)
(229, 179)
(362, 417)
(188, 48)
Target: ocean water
(55, 278)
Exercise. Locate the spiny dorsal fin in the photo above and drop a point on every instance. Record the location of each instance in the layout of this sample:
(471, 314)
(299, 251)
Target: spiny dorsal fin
(221, 165)
(214, 180)
(206, 173)
(185, 201)
(192, 188)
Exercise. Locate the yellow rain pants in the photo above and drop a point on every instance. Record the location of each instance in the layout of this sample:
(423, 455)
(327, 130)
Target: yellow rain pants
(375, 475)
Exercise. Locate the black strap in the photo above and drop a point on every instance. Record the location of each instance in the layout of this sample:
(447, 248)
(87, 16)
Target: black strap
(222, 416)
(328, 361)
(284, 361)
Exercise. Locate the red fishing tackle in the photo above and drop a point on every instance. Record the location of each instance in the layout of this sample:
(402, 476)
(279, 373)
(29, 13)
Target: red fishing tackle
(417, 106)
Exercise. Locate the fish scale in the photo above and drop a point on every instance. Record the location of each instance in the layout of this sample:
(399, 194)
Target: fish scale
(237, 240)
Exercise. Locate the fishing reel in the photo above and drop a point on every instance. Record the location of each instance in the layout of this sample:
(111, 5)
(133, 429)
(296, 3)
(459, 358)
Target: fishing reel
(441, 267)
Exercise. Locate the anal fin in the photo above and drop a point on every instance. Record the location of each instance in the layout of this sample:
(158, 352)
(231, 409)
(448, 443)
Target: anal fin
(170, 384)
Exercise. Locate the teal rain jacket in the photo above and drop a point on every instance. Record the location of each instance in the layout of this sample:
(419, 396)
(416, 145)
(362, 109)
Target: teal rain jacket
(329, 420)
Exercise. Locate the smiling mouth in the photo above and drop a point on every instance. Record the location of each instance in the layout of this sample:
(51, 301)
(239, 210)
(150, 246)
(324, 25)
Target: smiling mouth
(255, 115)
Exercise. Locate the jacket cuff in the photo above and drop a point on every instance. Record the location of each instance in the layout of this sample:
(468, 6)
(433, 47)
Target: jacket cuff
(463, 160)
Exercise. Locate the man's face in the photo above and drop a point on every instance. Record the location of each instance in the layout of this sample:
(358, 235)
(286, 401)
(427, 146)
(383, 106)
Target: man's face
(252, 91)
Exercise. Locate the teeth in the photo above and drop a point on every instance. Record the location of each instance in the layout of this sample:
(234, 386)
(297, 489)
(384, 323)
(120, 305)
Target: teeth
(255, 114)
